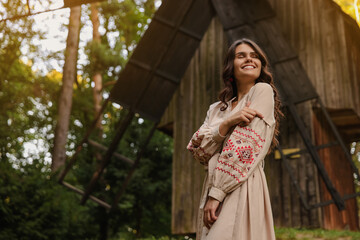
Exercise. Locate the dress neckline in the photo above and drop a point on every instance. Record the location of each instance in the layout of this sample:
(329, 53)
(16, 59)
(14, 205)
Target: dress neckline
(243, 97)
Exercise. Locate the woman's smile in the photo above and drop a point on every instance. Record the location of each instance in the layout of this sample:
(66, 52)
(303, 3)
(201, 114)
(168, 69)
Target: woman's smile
(247, 64)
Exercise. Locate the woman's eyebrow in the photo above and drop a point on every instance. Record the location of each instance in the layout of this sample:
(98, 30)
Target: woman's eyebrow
(244, 52)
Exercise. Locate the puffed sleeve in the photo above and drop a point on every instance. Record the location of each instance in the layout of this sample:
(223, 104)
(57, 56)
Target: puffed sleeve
(246, 147)
(207, 140)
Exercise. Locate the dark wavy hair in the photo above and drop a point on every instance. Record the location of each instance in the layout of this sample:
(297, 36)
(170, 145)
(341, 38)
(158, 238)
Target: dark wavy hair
(230, 89)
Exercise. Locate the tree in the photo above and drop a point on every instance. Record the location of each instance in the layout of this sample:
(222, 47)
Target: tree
(66, 94)
(33, 205)
(97, 78)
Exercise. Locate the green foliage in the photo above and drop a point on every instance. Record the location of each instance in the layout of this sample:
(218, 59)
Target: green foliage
(15, 34)
(124, 23)
(32, 206)
(146, 205)
(128, 18)
(27, 109)
(21, 90)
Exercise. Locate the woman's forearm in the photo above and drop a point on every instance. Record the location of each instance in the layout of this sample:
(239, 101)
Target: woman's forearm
(224, 127)
(245, 116)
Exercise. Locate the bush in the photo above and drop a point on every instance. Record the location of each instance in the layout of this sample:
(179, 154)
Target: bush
(34, 206)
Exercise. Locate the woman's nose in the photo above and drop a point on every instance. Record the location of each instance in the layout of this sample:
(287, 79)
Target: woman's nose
(248, 58)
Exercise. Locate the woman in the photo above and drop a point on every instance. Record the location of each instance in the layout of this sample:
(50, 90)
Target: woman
(237, 134)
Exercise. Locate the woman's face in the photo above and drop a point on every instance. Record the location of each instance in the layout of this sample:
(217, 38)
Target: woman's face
(247, 64)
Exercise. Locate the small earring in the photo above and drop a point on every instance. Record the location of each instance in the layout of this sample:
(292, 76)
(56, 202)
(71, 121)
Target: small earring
(231, 79)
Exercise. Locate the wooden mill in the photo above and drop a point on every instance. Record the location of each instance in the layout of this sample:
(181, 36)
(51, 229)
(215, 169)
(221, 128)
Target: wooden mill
(315, 51)
(174, 74)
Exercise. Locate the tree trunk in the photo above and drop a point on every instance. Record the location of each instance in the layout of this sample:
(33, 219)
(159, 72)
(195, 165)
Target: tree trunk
(65, 100)
(97, 75)
(97, 95)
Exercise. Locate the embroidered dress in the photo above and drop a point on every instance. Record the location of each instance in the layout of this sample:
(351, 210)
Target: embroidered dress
(235, 174)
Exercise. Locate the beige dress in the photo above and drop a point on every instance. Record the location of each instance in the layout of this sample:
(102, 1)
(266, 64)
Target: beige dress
(235, 174)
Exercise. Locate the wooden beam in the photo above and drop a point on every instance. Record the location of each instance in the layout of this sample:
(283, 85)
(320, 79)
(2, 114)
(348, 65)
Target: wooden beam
(81, 192)
(325, 203)
(132, 170)
(320, 166)
(106, 159)
(115, 154)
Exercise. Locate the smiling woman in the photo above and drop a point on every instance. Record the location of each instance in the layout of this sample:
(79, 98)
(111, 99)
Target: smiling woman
(237, 134)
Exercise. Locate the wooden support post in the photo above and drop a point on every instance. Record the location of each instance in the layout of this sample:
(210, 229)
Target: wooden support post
(138, 157)
(106, 159)
(307, 141)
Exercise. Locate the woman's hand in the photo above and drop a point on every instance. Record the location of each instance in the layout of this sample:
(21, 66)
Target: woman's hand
(242, 117)
(209, 211)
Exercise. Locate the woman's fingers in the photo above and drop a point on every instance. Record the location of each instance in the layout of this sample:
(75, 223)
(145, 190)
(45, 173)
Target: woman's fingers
(247, 105)
(248, 114)
(207, 219)
(209, 212)
(212, 215)
(259, 114)
(250, 111)
(247, 117)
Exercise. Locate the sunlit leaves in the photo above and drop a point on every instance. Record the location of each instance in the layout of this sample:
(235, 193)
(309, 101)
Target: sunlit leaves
(348, 6)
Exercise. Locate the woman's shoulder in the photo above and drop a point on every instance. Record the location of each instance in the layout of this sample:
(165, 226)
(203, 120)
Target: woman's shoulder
(263, 86)
(262, 89)
(215, 105)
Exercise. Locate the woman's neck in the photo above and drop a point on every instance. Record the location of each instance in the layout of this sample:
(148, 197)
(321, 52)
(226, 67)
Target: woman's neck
(243, 89)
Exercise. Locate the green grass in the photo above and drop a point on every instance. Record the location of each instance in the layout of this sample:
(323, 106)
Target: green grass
(314, 234)
(281, 234)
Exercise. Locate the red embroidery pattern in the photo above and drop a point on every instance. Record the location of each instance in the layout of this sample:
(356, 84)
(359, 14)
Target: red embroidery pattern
(253, 131)
(197, 133)
(245, 154)
(194, 146)
(239, 152)
(190, 147)
(196, 139)
(228, 145)
(223, 170)
(235, 168)
(249, 136)
(203, 153)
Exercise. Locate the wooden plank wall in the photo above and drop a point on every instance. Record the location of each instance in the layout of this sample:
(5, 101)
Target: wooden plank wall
(328, 43)
(198, 89)
(288, 210)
